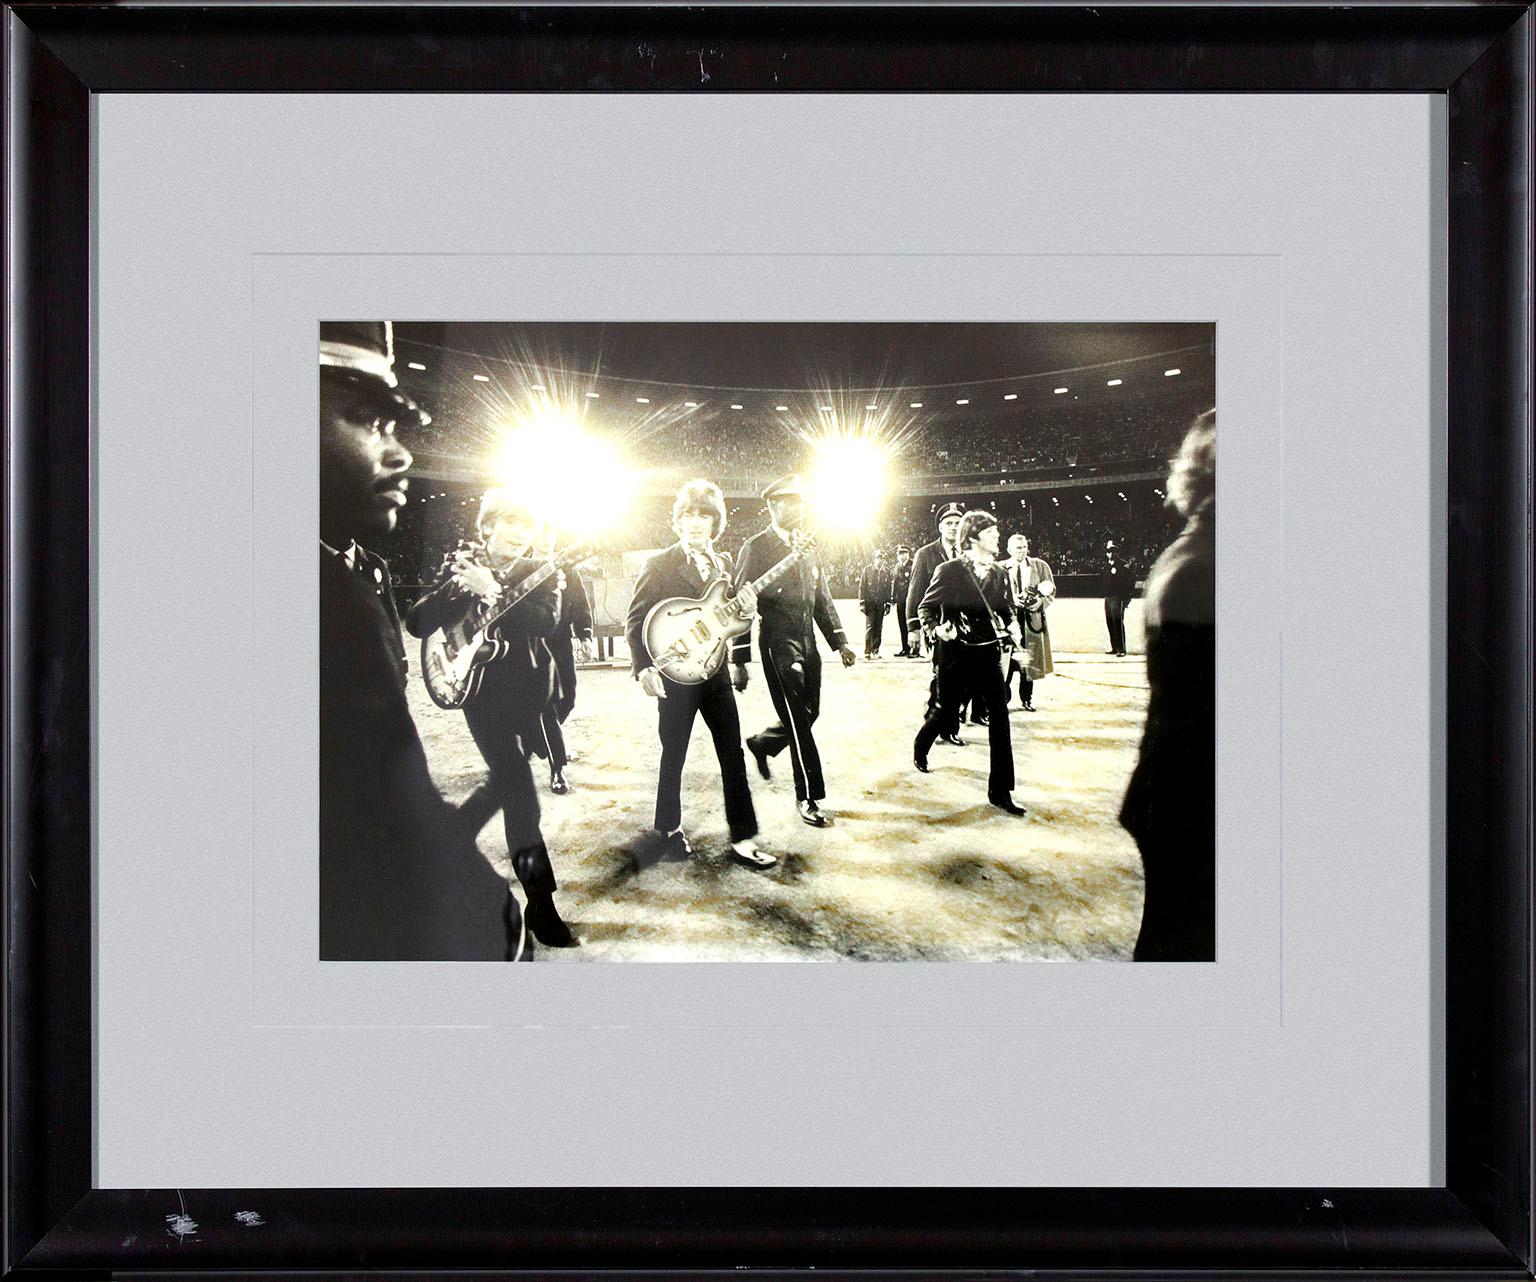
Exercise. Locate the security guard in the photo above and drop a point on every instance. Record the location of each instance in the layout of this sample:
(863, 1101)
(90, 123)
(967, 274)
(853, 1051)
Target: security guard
(790, 610)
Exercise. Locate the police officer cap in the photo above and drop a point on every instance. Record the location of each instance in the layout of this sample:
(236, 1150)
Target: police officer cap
(951, 509)
(785, 486)
(363, 353)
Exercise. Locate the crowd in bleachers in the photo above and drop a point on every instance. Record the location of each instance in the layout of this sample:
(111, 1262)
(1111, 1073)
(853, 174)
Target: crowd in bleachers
(745, 448)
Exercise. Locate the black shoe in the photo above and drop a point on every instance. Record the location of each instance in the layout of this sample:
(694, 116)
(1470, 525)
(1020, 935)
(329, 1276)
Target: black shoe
(543, 919)
(1005, 803)
(812, 814)
(954, 739)
(1029, 707)
(921, 763)
(979, 721)
(675, 847)
(759, 755)
(557, 784)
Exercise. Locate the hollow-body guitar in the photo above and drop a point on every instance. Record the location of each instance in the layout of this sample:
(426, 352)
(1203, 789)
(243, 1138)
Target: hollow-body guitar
(688, 637)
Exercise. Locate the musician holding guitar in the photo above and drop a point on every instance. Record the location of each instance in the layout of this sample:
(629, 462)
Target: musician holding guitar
(969, 612)
(791, 665)
(679, 628)
(514, 687)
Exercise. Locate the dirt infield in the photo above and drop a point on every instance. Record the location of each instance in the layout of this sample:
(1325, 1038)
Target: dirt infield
(915, 867)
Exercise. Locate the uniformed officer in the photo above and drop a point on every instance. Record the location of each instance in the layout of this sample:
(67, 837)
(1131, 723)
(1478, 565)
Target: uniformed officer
(929, 557)
(901, 579)
(874, 601)
(790, 610)
(397, 879)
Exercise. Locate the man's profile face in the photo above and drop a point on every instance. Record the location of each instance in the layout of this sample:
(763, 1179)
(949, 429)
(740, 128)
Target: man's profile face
(948, 528)
(362, 464)
(1018, 546)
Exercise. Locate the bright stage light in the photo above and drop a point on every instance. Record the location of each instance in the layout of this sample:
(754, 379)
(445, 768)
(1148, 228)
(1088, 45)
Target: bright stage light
(1172, 373)
(1114, 382)
(569, 478)
(1062, 390)
(848, 485)
(1012, 396)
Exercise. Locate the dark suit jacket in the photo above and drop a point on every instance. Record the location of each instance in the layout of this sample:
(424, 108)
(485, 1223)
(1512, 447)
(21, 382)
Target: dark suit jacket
(392, 883)
(925, 561)
(957, 596)
(794, 606)
(875, 587)
(667, 573)
(1119, 581)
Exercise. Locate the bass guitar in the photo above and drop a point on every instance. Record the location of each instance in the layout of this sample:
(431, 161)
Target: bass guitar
(688, 637)
(453, 659)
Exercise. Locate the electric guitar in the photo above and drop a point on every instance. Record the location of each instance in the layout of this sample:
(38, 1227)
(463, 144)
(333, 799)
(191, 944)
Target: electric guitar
(688, 637)
(453, 659)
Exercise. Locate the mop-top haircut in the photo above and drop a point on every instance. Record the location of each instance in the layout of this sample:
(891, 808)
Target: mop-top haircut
(704, 495)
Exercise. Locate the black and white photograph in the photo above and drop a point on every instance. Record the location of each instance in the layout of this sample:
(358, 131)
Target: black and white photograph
(767, 641)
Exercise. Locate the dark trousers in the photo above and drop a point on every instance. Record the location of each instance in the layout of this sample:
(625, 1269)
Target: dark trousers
(1114, 618)
(554, 738)
(1026, 686)
(792, 669)
(511, 790)
(972, 671)
(1178, 915)
(874, 625)
(716, 702)
(901, 623)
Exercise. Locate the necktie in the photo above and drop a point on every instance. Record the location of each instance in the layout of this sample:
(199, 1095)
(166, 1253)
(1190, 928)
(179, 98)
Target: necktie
(701, 564)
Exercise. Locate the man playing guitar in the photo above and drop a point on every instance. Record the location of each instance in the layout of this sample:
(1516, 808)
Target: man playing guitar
(504, 717)
(686, 569)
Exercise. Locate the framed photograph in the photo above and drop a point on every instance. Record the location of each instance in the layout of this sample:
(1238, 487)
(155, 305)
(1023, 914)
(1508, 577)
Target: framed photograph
(763, 464)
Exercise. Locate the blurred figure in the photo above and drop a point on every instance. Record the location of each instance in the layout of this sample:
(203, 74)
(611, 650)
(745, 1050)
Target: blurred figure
(1170, 805)
(1119, 587)
(398, 880)
(874, 601)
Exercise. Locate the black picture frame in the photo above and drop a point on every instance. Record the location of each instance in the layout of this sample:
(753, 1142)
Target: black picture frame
(1478, 1225)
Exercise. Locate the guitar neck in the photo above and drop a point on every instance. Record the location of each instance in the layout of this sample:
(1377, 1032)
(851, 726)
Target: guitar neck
(528, 584)
(776, 572)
